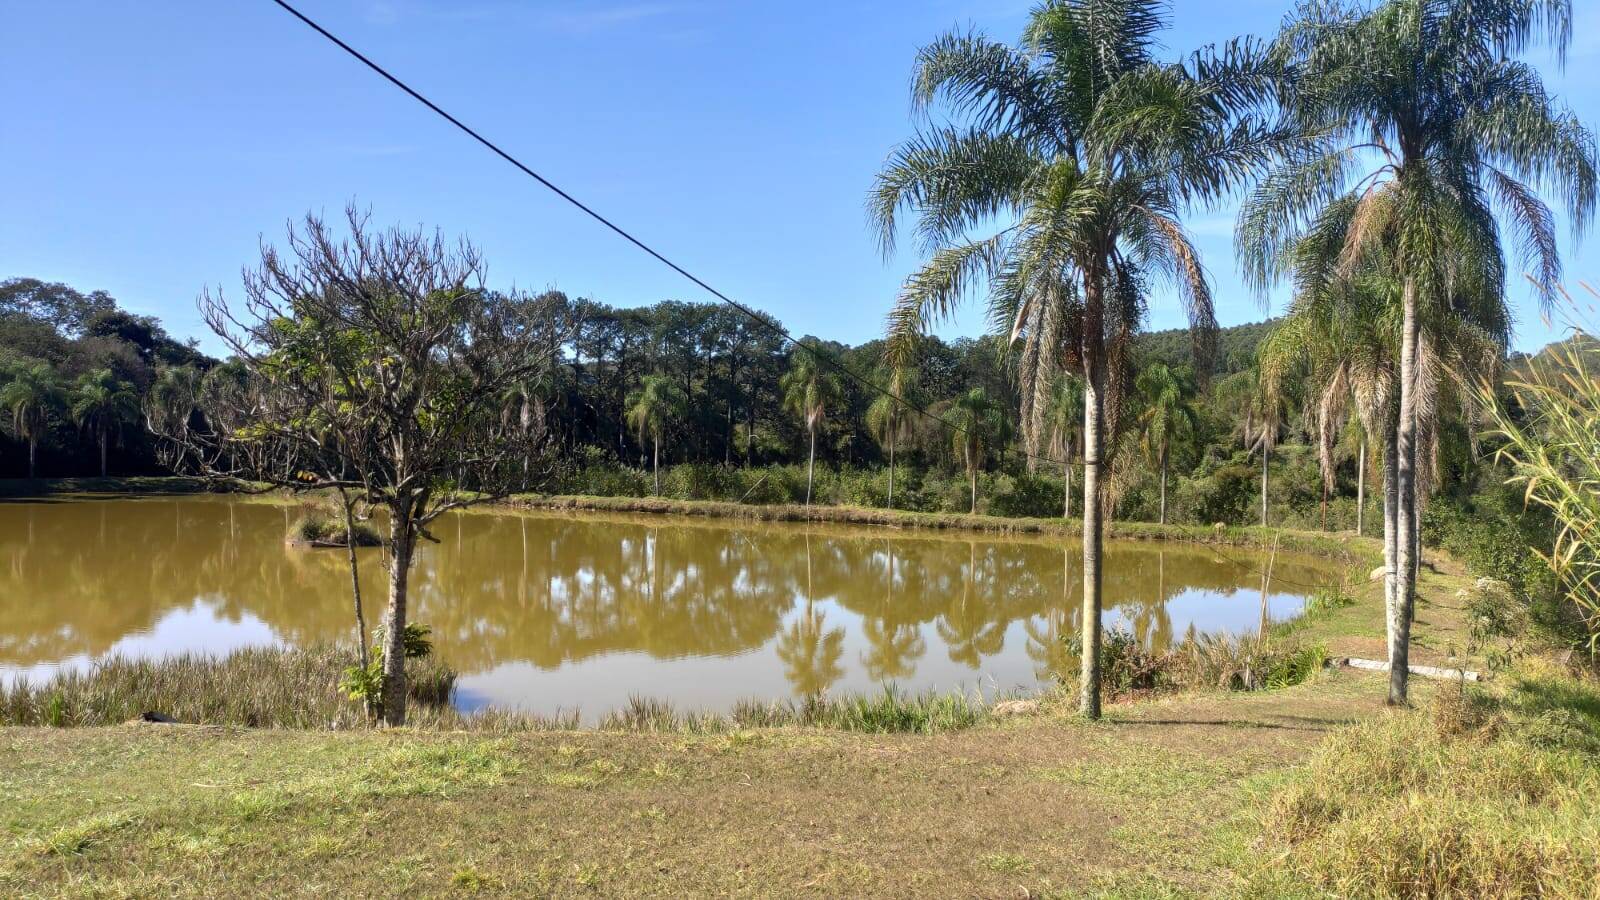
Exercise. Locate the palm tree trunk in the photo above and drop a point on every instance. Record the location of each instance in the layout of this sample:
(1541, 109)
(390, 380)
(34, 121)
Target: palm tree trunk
(1163, 485)
(1266, 455)
(103, 469)
(1361, 486)
(33, 454)
(811, 463)
(891, 470)
(1390, 515)
(1093, 398)
(973, 471)
(656, 464)
(1066, 487)
(1399, 613)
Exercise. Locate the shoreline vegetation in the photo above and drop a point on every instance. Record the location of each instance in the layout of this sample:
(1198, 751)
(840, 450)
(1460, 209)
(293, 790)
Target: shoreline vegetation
(1342, 546)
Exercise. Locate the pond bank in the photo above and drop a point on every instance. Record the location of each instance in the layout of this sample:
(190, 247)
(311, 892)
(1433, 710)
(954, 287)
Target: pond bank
(1339, 545)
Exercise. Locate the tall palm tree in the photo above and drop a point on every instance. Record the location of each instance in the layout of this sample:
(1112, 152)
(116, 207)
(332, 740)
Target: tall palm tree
(1423, 127)
(1168, 417)
(1062, 428)
(32, 393)
(1087, 147)
(887, 416)
(978, 427)
(103, 404)
(809, 388)
(652, 407)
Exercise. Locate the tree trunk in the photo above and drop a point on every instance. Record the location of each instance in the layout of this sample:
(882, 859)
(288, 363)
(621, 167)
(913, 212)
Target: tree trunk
(103, 469)
(1390, 516)
(1163, 485)
(1361, 486)
(402, 540)
(811, 463)
(1399, 613)
(973, 471)
(33, 454)
(1066, 487)
(656, 464)
(355, 584)
(1093, 398)
(1266, 455)
(891, 470)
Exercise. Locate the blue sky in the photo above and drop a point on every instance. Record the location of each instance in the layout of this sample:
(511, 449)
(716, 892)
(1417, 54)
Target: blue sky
(147, 147)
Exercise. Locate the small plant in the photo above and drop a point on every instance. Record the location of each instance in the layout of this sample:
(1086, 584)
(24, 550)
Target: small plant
(1327, 600)
(430, 685)
(1496, 621)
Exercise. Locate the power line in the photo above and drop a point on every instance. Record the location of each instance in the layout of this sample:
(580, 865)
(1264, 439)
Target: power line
(754, 316)
(760, 319)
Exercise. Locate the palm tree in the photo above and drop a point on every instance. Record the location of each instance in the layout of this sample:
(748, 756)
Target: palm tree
(1087, 147)
(31, 393)
(103, 403)
(1263, 420)
(887, 416)
(1063, 430)
(809, 388)
(1423, 126)
(1168, 417)
(656, 403)
(978, 427)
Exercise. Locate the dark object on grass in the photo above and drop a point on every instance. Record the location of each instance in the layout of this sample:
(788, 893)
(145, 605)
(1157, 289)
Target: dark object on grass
(159, 718)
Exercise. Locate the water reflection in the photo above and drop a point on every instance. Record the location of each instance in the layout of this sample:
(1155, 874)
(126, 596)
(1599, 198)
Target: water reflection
(547, 611)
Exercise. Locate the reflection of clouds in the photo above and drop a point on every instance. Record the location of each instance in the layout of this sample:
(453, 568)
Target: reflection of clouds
(551, 611)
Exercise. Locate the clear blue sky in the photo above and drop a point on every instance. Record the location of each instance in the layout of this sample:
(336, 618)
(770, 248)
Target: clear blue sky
(145, 147)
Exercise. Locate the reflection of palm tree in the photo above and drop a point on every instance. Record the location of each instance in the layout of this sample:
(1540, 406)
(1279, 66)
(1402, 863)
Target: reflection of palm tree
(1046, 644)
(810, 653)
(968, 631)
(895, 648)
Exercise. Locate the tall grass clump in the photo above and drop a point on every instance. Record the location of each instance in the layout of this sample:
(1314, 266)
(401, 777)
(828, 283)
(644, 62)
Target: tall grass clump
(1553, 449)
(321, 527)
(887, 712)
(257, 687)
(1477, 795)
(1129, 668)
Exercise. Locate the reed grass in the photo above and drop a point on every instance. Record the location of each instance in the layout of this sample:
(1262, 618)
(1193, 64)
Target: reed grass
(285, 687)
(257, 687)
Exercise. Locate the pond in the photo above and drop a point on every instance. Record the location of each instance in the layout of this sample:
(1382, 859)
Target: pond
(549, 612)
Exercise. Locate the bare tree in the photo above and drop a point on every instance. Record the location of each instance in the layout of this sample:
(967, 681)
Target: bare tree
(374, 363)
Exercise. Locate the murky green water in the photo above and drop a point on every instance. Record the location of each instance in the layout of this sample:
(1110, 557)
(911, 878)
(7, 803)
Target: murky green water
(550, 612)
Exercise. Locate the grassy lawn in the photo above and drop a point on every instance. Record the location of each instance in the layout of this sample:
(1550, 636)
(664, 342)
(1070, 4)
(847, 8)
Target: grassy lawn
(1200, 794)
(1154, 799)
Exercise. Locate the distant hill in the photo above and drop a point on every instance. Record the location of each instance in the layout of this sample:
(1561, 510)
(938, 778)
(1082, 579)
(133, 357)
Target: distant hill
(1236, 346)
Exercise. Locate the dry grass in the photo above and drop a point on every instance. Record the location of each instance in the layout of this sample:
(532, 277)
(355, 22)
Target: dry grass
(1481, 794)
